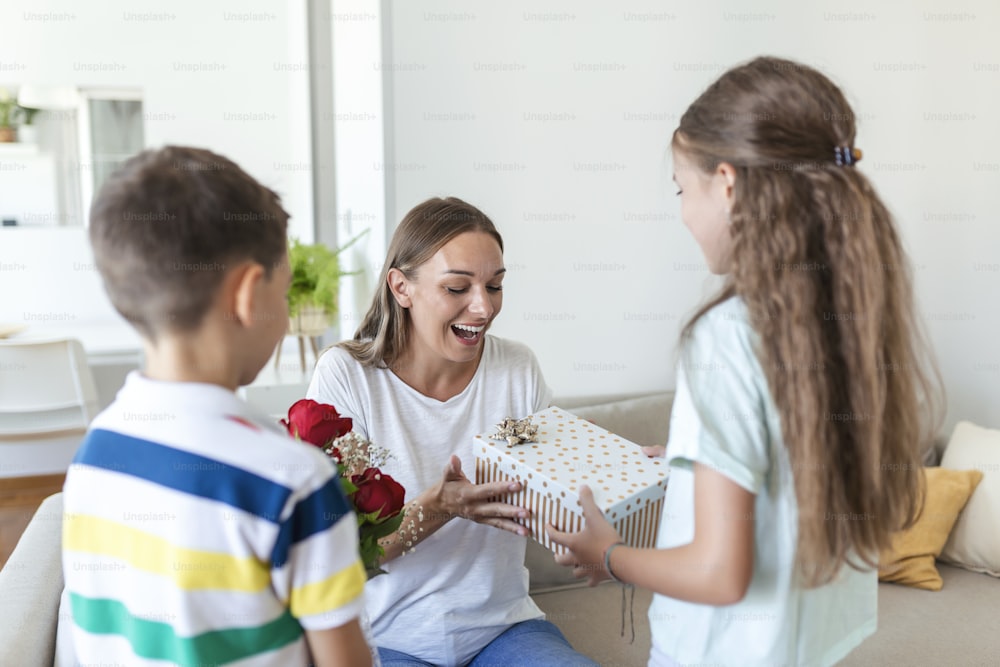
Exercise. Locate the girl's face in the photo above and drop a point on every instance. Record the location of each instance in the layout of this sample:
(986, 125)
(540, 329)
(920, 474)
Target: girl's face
(454, 297)
(705, 202)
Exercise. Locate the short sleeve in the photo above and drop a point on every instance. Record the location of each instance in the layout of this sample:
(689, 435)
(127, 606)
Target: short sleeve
(722, 404)
(315, 566)
(334, 383)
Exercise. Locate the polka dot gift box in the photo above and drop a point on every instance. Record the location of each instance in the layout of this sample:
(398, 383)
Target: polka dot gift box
(628, 486)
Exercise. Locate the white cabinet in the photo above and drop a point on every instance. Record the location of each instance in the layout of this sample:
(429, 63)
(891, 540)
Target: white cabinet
(28, 186)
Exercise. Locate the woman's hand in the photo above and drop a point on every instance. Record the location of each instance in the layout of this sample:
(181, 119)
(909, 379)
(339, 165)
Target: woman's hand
(586, 548)
(456, 495)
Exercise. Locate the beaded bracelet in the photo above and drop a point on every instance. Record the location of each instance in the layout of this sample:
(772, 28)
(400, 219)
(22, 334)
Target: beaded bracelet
(607, 561)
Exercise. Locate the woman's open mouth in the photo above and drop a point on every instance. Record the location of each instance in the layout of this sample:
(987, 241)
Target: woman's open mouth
(468, 334)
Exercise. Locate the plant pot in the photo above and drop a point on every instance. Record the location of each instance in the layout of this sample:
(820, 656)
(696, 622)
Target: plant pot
(8, 135)
(310, 321)
(27, 134)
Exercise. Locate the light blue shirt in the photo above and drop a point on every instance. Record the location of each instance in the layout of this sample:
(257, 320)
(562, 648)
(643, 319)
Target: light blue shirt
(724, 417)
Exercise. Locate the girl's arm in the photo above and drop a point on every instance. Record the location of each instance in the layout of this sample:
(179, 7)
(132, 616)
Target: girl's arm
(715, 568)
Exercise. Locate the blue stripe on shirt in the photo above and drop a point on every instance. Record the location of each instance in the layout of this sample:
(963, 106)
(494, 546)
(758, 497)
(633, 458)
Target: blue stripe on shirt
(313, 514)
(179, 470)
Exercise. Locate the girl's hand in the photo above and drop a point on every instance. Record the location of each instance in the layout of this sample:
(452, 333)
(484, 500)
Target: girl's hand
(659, 451)
(586, 548)
(456, 495)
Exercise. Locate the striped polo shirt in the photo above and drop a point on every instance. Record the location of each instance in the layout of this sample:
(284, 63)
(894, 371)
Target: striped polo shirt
(197, 533)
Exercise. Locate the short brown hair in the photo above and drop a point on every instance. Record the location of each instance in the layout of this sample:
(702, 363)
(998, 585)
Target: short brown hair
(165, 227)
(383, 334)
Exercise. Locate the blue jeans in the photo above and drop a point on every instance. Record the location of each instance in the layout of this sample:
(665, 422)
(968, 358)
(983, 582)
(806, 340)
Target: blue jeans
(534, 643)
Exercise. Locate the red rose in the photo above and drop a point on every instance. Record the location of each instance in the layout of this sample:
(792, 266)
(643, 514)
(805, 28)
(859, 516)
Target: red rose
(316, 423)
(377, 492)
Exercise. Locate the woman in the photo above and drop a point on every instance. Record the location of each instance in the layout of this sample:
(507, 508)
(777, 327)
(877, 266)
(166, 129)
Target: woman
(421, 377)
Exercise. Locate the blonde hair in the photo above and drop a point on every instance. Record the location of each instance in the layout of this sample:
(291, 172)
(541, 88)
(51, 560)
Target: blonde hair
(819, 263)
(383, 334)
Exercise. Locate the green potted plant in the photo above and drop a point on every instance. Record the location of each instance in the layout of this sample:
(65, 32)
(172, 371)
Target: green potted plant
(8, 106)
(312, 297)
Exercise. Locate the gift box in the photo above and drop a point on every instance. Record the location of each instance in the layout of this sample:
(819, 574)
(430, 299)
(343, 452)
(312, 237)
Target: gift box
(628, 486)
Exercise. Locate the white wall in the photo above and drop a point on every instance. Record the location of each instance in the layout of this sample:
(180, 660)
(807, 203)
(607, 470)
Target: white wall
(225, 74)
(555, 119)
(359, 125)
(205, 69)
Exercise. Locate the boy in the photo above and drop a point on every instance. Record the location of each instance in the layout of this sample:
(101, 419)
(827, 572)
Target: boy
(196, 532)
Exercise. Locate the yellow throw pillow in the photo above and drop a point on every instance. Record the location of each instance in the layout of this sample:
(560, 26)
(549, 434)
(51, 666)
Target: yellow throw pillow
(910, 560)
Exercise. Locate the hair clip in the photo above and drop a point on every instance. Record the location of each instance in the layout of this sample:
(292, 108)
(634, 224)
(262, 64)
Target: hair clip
(846, 156)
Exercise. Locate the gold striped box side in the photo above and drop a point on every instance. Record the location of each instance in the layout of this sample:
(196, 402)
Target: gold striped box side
(638, 529)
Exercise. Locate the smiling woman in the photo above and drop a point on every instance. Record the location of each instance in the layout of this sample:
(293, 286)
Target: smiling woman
(421, 377)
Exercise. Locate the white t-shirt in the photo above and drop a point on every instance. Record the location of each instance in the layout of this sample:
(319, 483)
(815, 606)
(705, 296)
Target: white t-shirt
(724, 417)
(465, 584)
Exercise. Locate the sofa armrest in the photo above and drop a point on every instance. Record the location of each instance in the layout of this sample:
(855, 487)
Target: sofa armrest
(30, 587)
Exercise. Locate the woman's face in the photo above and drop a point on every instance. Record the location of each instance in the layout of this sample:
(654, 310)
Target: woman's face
(453, 297)
(705, 202)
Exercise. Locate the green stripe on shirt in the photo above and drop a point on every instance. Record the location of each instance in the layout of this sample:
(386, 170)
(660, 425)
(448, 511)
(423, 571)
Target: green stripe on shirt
(159, 641)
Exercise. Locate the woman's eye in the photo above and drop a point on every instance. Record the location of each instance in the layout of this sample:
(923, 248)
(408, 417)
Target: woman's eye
(679, 192)
(457, 290)
(494, 288)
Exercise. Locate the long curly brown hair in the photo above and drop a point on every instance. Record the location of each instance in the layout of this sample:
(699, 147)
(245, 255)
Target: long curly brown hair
(819, 263)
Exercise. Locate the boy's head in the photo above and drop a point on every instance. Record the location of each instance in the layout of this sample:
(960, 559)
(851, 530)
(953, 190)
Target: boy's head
(178, 230)
(167, 226)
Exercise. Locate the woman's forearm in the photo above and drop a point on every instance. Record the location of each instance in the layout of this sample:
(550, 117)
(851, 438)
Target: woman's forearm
(422, 517)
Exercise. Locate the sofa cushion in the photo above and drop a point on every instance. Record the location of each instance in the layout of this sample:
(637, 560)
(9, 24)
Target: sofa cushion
(915, 627)
(910, 560)
(975, 541)
(591, 620)
(950, 627)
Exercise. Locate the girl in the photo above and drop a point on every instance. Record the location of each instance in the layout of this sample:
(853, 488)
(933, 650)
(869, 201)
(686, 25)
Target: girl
(421, 378)
(795, 436)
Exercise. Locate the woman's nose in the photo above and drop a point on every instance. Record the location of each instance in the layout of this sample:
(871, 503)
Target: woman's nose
(481, 304)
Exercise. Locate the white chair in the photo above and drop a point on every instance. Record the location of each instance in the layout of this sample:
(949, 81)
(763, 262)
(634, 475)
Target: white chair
(47, 400)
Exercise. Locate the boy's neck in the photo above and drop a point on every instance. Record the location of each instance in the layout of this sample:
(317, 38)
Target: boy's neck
(194, 358)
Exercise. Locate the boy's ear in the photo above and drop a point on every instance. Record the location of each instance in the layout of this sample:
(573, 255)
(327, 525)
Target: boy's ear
(400, 287)
(248, 278)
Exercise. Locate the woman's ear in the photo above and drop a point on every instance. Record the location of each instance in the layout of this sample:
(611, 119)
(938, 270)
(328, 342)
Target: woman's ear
(399, 285)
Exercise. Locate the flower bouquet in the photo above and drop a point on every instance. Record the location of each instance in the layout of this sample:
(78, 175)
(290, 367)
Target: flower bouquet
(376, 497)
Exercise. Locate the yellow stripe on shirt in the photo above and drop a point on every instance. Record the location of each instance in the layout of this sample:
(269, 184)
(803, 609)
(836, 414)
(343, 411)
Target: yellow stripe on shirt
(190, 569)
(330, 593)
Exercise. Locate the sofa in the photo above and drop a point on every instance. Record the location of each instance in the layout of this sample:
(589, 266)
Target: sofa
(955, 626)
